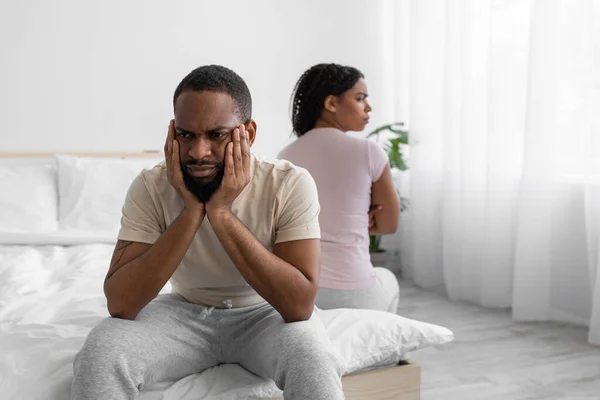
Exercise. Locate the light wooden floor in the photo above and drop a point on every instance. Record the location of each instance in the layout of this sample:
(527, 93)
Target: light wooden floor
(493, 357)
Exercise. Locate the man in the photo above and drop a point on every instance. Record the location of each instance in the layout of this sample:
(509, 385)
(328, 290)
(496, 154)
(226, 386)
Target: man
(239, 239)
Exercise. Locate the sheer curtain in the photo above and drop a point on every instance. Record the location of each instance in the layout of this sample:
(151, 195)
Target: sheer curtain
(503, 109)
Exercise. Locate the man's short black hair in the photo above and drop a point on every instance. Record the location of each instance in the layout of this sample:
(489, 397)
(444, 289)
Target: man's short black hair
(216, 78)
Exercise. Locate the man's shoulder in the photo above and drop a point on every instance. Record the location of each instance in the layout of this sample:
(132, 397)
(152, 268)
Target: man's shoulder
(272, 163)
(155, 178)
(282, 179)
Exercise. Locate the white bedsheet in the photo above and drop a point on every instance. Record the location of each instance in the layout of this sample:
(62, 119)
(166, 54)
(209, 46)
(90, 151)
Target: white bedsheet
(51, 297)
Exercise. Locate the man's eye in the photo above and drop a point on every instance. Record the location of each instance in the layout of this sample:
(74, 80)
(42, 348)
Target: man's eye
(183, 135)
(215, 135)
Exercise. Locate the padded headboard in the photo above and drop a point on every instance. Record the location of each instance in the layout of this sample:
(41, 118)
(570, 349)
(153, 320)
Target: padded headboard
(21, 158)
(82, 154)
(66, 197)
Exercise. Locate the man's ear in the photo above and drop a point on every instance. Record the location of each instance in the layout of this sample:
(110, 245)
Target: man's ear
(251, 129)
(330, 103)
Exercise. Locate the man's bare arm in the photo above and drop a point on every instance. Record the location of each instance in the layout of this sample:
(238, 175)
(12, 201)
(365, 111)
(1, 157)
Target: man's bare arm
(138, 271)
(288, 278)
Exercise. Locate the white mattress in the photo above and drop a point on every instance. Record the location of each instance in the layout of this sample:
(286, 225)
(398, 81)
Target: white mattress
(50, 298)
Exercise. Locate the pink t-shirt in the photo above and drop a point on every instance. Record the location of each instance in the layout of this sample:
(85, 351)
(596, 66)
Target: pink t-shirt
(344, 168)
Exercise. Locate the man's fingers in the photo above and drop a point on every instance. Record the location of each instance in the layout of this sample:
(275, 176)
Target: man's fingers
(237, 151)
(175, 169)
(170, 138)
(245, 148)
(175, 153)
(229, 163)
(172, 129)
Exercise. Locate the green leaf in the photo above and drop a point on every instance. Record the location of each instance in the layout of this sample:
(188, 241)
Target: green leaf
(374, 244)
(392, 145)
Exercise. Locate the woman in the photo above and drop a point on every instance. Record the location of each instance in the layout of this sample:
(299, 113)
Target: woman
(354, 180)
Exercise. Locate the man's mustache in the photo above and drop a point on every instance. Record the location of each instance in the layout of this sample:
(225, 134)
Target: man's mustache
(202, 164)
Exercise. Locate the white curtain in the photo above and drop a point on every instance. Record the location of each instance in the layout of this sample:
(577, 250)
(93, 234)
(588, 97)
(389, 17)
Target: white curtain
(504, 112)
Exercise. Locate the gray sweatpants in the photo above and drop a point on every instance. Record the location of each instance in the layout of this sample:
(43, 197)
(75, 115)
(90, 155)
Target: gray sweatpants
(171, 338)
(382, 295)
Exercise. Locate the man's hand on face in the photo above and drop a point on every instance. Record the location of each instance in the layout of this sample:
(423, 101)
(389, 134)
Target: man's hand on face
(175, 174)
(237, 172)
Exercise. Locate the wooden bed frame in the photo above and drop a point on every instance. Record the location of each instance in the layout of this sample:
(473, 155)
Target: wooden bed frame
(401, 382)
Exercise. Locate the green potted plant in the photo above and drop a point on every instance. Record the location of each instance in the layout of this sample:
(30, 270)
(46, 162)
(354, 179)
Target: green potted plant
(397, 137)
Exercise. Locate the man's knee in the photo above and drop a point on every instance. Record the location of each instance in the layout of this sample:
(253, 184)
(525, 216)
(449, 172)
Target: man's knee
(307, 366)
(308, 342)
(104, 346)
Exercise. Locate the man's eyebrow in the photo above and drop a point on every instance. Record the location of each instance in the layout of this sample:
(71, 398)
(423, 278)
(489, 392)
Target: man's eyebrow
(222, 128)
(363, 93)
(218, 128)
(178, 129)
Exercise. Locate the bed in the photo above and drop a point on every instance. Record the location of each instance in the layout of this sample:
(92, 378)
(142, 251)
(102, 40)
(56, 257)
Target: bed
(51, 292)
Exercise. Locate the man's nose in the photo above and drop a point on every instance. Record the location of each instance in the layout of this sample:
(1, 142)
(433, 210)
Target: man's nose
(201, 147)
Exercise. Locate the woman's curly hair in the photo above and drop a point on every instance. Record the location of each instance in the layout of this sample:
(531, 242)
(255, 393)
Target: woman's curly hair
(318, 82)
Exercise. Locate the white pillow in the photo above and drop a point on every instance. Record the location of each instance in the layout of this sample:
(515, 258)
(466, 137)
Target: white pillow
(57, 238)
(92, 191)
(368, 339)
(28, 198)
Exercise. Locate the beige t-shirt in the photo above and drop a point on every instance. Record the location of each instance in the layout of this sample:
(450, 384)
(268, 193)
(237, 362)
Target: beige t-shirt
(280, 204)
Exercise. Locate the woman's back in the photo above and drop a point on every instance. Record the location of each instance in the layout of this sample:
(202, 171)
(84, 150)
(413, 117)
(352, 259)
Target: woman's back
(344, 168)
(355, 186)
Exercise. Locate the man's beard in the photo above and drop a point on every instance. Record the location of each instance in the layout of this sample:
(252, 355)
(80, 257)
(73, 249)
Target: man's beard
(203, 191)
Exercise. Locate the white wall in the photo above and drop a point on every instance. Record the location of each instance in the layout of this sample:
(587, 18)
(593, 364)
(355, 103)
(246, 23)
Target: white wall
(99, 75)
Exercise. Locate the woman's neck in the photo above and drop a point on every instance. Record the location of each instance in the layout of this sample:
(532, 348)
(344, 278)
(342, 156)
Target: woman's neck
(322, 123)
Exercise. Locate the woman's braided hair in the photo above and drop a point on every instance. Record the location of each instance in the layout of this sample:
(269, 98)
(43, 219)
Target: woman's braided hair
(318, 82)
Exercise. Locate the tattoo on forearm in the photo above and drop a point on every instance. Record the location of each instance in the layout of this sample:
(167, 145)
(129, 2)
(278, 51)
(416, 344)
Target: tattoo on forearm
(119, 251)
